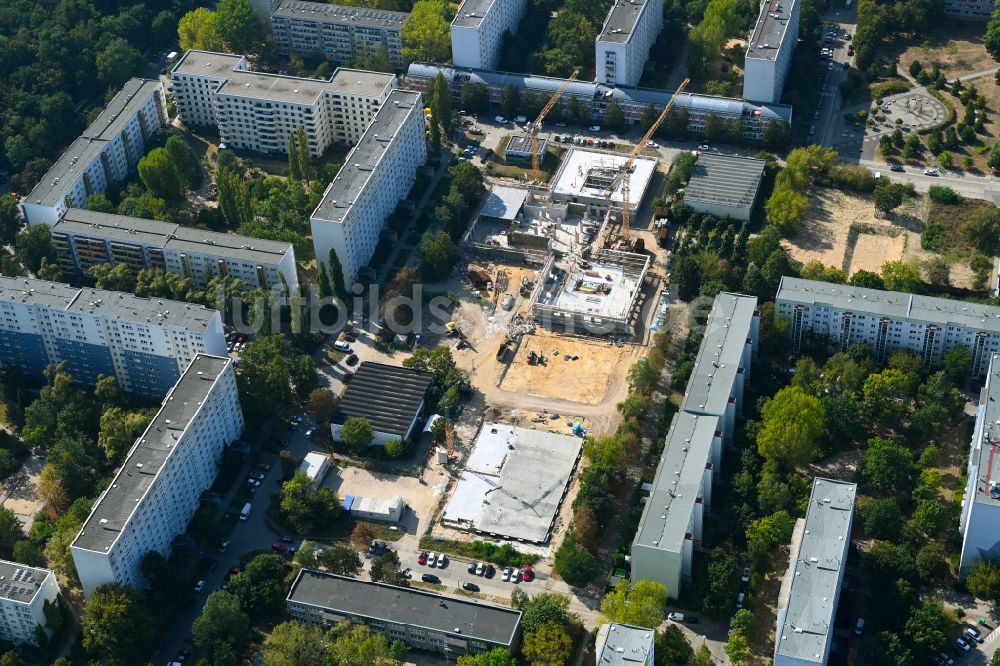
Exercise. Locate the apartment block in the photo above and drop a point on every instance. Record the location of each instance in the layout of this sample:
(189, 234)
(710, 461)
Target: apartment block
(629, 31)
(376, 176)
(425, 620)
(478, 28)
(749, 118)
(770, 50)
(84, 239)
(145, 343)
(107, 152)
(980, 520)
(839, 315)
(156, 491)
(970, 10)
(339, 33)
(810, 589)
(258, 111)
(23, 593)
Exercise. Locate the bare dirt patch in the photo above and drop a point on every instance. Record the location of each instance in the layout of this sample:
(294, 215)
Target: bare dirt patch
(956, 47)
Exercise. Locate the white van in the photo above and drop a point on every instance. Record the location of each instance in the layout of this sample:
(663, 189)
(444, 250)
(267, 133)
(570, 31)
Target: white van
(342, 346)
(245, 513)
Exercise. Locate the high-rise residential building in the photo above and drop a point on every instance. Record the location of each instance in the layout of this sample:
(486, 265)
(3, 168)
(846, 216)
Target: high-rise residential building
(145, 343)
(156, 492)
(258, 111)
(838, 315)
(980, 520)
(810, 590)
(23, 593)
(85, 238)
(478, 28)
(769, 52)
(970, 10)
(337, 32)
(629, 31)
(376, 175)
(107, 152)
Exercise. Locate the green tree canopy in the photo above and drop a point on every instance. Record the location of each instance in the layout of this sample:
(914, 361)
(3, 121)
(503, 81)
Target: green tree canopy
(984, 580)
(791, 426)
(887, 466)
(295, 644)
(117, 626)
(160, 175)
(221, 620)
(900, 276)
(929, 626)
(640, 604)
(238, 26)
(426, 33)
(549, 645)
(356, 433)
(307, 508)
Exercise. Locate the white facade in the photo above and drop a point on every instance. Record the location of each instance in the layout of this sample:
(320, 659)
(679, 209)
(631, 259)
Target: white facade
(629, 32)
(380, 510)
(970, 10)
(23, 593)
(376, 176)
(315, 466)
(769, 53)
(107, 152)
(156, 491)
(980, 519)
(841, 315)
(478, 28)
(337, 32)
(258, 111)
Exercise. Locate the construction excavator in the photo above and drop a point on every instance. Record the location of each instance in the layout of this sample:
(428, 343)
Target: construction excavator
(535, 157)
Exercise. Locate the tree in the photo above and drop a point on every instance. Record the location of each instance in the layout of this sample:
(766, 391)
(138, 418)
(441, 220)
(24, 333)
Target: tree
(160, 175)
(765, 534)
(426, 33)
(883, 519)
(119, 430)
(10, 531)
(981, 229)
(900, 276)
(575, 565)
(640, 604)
(887, 466)
(322, 404)
(357, 434)
(932, 561)
(114, 277)
(234, 197)
(702, 657)
(305, 507)
(475, 97)
(221, 621)
(791, 425)
(868, 279)
(911, 147)
(303, 154)
(238, 26)
(993, 161)
(938, 271)
(33, 246)
(185, 163)
(785, 209)
(355, 645)
(737, 648)
(642, 377)
(984, 580)
(336, 272)
(28, 553)
(510, 100)
(672, 648)
(887, 197)
(260, 586)
(10, 219)
(441, 105)
(295, 644)
(614, 117)
(722, 584)
(495, 657)
(439, 255)
(117, 627)
(362, 536)
(272, 375)
(387, 569)
(117, 61)
(888, 650)
(198, 29)
(541, 609)
(341, 560)
(742, 622)
(929, 626)
(549, 645)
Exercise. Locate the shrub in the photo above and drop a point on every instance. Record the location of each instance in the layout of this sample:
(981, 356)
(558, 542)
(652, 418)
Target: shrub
(944, 194)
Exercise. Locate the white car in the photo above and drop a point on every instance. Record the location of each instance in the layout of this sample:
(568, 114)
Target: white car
(652, 144)
(199, 586)
(745, 577)
(830, 66)
(432, 560)
(962, 645)
(594, 128)
(506, 574)
(703, 146)
(515, 576)
(930, 172)
(309, 433)
(501, 120)
(480, 569)
(675, 616)
(442, 561)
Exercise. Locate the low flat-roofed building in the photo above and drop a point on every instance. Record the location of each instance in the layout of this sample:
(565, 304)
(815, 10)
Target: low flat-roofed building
(624, 645)
(770, 49)
(629, 32)
(585, 176)
(514, 483)
(518, 149)
(424, 620)
(315, 465)
(810, 590)
(390, 397)
(380, 510)
(724, 185)
(980, 519)
(24, 592)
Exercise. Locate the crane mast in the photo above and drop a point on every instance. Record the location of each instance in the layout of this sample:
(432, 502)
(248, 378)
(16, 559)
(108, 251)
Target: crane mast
(535, 158)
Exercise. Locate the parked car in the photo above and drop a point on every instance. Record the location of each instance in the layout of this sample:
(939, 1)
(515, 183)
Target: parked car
(263, 466)
(703, 146)
(745, 576)
(422, 557)
(430, 578)
(471, 587)
(896, 166)
(740, 599)
(974, 633)
(501, 120)
(594, 128)
(515, 576)
(691, 619)
(432, 559)
(199, 586)
(675, 616)
(279, 547)
(506, 574)
(342, 347)
(352, 360)
(480, 569)
(472, 568)
(961, 645)
(931, 172)
(285, 539)
(223, 546)
(490, 571)
(528, 573)
(945, 660)
(652, 144)
(442, 561)
(310, 431)
(859, 627)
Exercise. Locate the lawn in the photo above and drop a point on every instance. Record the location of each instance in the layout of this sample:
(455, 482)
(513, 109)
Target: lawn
(956, 47)
(942, 232)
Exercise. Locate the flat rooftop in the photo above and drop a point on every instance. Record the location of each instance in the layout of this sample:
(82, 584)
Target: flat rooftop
(318, 11)
(514, 481)
(389, 396)
(624, 645)
(621, 20)
(471, 12)
(585, 173)
(503, 202)
(119, 110)
(768, 35)
(602, 290)
(113, 304)
(521, 145)
(19, 582)
(808, 617)
(894, 304)
(677, 484)
(163, 235)
(986, 438)
(720, 354)
(729, 180)
(149, 454)
(237, 81)
(456, 616)
(365, 157)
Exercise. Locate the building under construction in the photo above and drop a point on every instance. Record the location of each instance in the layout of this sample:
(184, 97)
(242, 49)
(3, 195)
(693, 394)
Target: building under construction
(586, 176)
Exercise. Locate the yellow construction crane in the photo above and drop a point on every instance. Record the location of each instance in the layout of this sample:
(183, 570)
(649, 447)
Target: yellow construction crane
(535, 158)
(623, 176)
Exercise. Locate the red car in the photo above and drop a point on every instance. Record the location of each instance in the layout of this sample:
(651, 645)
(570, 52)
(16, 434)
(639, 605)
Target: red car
(233, 572)
(279, 547)
(529, 574)
(422, 558)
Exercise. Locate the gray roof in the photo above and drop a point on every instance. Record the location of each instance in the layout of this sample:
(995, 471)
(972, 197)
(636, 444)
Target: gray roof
(769, 33)
(149, 454)
(163, 235)
(19, 582)
(458, 617)
(387, 395)
(808, 617)
(589, 90)
(322, 12)
(113, 304)
(986, 438)
(621, 19)
(730, 180)
(667, 514)
(504, 202)
(277, 87)
(720, 354)
(624, 645)
(471, 12)
(352, 178)
(85, 149)
(894, 304)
